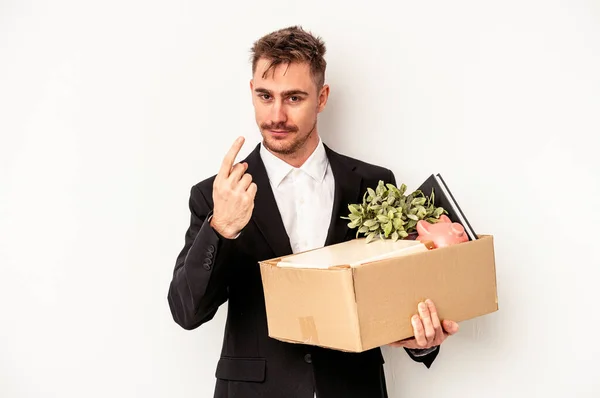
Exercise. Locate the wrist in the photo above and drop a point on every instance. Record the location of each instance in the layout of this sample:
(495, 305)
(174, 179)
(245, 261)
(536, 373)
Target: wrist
(225, 232)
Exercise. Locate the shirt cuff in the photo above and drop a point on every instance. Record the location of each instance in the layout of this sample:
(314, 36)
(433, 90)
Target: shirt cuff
(422, 352)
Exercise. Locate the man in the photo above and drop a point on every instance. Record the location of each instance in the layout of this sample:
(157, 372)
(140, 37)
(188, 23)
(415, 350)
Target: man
(287, 196)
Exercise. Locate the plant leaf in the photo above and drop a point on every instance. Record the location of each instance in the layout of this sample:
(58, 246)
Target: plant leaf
(402, 189)
(371, 193)
(397, 223)
(370, 223)
(353, 216)
(418, 201)
(382, 218)
(354, 209)
(370, 237)
(387, 229)
(412, 217)
(395, 236)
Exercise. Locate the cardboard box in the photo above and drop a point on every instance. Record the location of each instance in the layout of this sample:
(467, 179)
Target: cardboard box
(358, 305)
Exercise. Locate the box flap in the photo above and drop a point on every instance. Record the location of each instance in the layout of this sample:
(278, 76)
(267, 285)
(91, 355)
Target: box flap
(351, 253)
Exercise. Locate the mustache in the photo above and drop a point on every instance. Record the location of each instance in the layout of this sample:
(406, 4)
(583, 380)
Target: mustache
(279, 126)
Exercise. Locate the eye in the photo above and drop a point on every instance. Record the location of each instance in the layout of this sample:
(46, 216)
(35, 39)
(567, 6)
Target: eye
(295, 98)
(264, 96)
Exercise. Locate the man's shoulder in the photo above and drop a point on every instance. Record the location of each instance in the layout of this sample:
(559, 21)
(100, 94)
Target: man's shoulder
(206, 183)
(365, 169)
(204, 189)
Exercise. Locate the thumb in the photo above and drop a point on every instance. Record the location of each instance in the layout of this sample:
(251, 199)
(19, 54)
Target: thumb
(451, 327)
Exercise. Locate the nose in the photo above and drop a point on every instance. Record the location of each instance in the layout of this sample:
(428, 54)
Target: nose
(278, 114)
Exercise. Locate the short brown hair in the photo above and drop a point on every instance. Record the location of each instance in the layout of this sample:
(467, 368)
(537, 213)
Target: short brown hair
(292, 44)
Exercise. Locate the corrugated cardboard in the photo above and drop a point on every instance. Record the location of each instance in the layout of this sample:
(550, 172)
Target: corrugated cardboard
(359, 306)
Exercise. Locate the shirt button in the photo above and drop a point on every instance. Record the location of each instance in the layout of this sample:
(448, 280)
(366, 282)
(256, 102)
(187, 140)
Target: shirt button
(307, 358)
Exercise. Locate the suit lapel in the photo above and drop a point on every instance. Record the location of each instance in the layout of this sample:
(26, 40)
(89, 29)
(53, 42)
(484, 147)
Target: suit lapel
(347, 191)
(266, 214)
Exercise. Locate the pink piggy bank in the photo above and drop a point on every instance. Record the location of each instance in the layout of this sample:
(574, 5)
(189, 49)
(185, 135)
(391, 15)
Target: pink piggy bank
(443, 233)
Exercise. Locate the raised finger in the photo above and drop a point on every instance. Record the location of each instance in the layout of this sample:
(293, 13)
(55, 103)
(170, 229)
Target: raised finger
(435, 320)
(229, 158)
(427, 323)
(419, 331)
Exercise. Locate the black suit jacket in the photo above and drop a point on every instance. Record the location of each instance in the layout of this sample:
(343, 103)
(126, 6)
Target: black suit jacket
(211, 270)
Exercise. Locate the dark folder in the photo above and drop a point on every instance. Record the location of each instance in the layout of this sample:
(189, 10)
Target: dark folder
(442, 197)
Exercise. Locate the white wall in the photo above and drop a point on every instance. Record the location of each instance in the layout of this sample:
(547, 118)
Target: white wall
(110, 111)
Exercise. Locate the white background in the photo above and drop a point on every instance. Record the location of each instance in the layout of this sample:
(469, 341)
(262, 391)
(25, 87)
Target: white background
(110, 111)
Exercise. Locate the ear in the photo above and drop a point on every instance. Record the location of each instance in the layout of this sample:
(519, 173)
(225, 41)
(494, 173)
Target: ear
(251, 85)
(457, 229)
(322, 98)
(423, 227)
(444, 218)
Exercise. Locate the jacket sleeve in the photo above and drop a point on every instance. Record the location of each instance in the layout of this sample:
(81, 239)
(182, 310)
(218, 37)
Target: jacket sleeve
(199, 283)
(427, 356)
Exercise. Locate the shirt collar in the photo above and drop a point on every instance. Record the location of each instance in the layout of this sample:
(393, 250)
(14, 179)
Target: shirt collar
(315, 166)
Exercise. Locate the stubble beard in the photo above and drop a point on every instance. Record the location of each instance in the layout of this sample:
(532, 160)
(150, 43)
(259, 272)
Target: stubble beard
(294, 146)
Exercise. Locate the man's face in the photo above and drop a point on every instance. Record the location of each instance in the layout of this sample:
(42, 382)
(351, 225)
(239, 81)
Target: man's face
(286, 105)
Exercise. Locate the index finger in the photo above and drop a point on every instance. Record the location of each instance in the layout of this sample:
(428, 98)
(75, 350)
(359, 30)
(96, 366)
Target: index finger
(229, 158)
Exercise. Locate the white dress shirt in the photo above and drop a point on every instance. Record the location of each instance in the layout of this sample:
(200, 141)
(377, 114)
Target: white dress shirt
(304, 196)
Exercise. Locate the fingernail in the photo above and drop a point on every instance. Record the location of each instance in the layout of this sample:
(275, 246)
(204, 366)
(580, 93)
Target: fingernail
(422, 306)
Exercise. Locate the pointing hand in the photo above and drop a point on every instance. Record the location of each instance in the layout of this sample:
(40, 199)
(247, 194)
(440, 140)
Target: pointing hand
(233, 194)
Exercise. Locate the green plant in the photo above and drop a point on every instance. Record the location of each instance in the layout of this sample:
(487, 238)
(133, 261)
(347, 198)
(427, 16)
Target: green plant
(388, 213)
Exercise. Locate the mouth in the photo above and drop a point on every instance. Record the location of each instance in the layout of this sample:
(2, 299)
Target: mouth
(279, 133)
